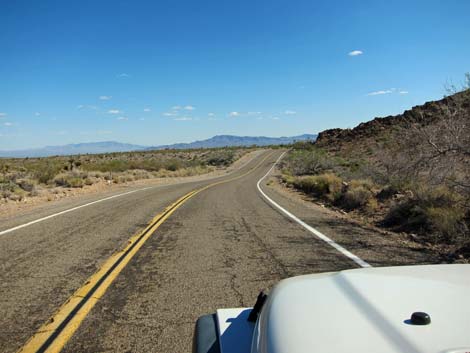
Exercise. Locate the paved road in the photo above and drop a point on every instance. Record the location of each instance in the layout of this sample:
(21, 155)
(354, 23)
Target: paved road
(217, 250)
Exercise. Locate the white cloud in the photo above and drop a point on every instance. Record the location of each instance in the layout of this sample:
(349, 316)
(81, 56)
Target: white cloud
(170, 114)
(122, 118)
(62, 132)
(189, 107)
(123, 75)
(234, 114)
(183, 118)
(387, 91)
(176, 107)
(92, 107)
(105, 98)
(142, 119)
(275, 118)
(37, 114)
(114, 111)
(377, 93)
(210, 114)
(355, 53)
(290, 112)
(8, 124)
(147, 110)
(253, 113)
(2, 115)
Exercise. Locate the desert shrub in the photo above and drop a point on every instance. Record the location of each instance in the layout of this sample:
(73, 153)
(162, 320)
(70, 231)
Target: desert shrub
(61, 179)
(26, 184)
(303, 145)
(45, 172)
(7, 185)
(18, 177)
(75, 182)
(371, 205)
(16, 196)
(220, 158)
(115, 165)
(173, 165)
(97, 174)
(5, 193)
(288, 179)
(355, 197)
(387, 192)
(446, 221)
(305, 162)
(69, 180)
(326, 186)
(119, 179)
(429, 211)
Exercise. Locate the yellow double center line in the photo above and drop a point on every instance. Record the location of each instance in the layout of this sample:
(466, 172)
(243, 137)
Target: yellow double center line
(57, 331)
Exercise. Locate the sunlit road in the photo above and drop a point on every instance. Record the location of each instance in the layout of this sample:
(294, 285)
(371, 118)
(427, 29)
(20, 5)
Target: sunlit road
(218, 249)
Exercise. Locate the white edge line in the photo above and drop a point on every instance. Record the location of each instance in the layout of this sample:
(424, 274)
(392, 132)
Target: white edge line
(69, 210)
(312, 230)
(112, 197)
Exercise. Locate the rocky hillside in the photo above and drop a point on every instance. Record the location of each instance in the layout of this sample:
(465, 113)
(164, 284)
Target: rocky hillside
(407, 173)
(380, 132)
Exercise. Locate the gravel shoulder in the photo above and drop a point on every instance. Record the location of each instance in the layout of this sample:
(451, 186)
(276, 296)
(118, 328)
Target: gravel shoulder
(374, 245)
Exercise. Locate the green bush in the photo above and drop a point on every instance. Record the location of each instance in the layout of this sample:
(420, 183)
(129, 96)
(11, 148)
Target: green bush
(305, 162)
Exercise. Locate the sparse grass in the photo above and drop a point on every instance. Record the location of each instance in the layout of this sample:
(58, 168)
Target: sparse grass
(325, 186)
(21, 177)
(305, 161)
(437, 215)
(355, 197)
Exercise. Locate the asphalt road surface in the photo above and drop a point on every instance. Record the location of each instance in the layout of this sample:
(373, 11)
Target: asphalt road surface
(218, 249)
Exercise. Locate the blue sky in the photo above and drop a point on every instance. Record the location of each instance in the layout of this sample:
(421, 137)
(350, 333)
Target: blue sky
(157, 72)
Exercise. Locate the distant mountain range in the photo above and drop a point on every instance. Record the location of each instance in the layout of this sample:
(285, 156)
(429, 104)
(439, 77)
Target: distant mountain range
(230, 140)
(78, 148)
(112, 146)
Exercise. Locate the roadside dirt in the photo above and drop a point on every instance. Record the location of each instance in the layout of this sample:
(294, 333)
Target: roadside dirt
(56, 194)
(357, 233)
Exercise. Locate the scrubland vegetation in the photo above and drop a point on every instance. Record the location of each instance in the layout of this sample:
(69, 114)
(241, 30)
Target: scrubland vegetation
(26, 177)
(413, 177)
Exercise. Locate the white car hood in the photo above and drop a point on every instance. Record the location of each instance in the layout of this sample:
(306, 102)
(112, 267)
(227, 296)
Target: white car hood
(367, 310)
